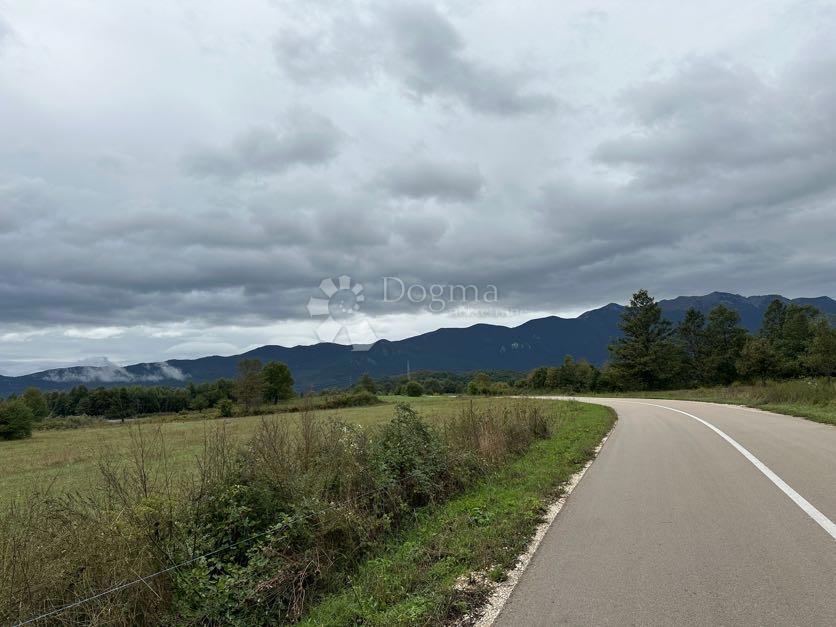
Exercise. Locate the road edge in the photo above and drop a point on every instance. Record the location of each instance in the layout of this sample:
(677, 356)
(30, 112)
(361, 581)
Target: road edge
(490, 610)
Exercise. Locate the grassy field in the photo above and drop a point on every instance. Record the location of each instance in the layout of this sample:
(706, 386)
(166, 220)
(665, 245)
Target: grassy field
(68, 459)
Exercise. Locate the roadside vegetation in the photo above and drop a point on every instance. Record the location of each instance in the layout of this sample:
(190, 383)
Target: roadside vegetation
(814, 399)
(278, 522)
(445, 564)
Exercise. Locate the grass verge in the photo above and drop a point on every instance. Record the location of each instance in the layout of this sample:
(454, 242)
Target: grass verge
(813, 399)
(412, 579)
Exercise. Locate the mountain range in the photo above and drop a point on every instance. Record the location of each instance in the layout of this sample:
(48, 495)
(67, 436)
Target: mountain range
(542, 341)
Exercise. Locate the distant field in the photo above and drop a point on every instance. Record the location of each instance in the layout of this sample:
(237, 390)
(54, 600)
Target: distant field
(68, 459)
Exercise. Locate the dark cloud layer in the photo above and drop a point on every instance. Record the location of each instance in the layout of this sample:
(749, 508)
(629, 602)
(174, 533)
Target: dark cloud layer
(427, 179)
(196, 205)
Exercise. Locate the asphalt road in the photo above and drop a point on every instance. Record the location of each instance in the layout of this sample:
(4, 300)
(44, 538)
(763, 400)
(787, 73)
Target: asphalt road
(675, 525)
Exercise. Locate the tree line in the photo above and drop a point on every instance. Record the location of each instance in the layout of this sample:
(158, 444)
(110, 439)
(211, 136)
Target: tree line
(254, 384)
(793, 341)
(701, 350)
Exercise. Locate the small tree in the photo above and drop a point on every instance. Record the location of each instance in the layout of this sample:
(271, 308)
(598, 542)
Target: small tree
(820, 358)
(646, 357)
(367, 383)
(225, 408)
(15, 420)
(249, 385)
(480, 384)
(278, 382)
(36, 401)
(690, 334)
(724, 340)
(773, 320)
(552, 378)
(537, 378)
(413, 388)
(758, 360)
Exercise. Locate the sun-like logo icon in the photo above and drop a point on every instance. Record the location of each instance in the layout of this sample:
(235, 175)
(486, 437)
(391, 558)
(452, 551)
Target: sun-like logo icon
(341, 305)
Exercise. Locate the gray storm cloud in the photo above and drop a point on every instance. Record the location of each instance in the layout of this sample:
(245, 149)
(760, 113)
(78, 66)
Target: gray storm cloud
(419, 178)
(567, 155)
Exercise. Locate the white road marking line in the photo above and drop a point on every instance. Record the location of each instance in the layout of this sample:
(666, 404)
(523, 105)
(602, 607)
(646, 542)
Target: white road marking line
(828, 525)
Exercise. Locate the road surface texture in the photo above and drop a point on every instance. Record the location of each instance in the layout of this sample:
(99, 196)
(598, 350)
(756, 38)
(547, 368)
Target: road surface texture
(675, 525)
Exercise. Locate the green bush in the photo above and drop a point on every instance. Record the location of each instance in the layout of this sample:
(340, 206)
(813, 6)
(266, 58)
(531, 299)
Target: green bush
(15, 420)
(225, 408)
(36, 401)
(413, 388)
(409, 456)
(358, 398)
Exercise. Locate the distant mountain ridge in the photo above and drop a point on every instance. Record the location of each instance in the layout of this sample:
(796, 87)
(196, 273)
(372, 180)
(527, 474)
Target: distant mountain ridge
(541, 341)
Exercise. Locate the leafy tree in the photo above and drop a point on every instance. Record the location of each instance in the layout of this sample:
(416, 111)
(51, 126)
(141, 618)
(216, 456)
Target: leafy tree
(537, 378)
(610, 379)
(724, 340)
(690, 334)
(199, 402)
(820, 357)
(413, 388)
(646, 357)
(758, 360)
(588, 376)
(278, 382)
(796, 334)
(552, 378)
(367, 383)
(36, 401)
(15, 420)
(480, 384)
(773, 321)
(568, 374)
(789, 329)
(249, 385)
(225, 408)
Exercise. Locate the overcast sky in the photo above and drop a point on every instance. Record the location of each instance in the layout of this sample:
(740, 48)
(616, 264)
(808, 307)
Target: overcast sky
(178, 177)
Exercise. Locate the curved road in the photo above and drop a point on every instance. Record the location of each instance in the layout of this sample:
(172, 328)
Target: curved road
(675, 525)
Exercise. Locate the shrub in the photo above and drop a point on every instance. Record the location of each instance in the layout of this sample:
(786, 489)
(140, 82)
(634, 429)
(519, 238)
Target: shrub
(413, 388)
(409, 456)
(358, 398)
(225, 408)
(15, 420)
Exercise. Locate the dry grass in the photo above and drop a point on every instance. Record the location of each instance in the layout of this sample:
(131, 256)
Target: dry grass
(67, 459)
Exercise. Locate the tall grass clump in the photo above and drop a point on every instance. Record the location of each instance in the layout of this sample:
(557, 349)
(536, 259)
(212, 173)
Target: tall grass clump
(260, 528)
(56, 548)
